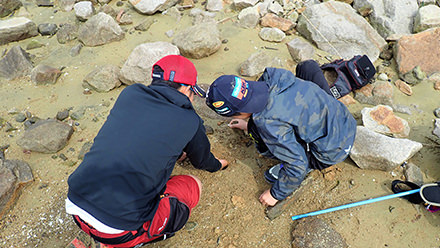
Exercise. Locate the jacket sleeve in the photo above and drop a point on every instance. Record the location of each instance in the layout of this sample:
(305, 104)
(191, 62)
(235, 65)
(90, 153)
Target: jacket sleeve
(281, 140)
(198, 151)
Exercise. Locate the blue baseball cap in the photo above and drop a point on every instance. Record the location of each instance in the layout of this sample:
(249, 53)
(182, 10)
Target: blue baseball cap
(230, 94)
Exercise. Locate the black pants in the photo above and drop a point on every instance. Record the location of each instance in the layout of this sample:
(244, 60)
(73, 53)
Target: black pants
(310, 70)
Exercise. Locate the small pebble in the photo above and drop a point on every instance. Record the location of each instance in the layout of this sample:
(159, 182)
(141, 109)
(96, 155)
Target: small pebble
(437, 112)
(20, 117)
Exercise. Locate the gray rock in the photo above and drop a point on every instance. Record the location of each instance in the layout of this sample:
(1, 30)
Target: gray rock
(174, 12)
(337, 29)
(427, 17)
(16, 28)
(103, 78)
(214, 5)
(256, 64)
(46, 136)
(15, 63)
(20, 117)
(34, 44)
(13, 174)
(109, 10)
(44, 3)
(145, 25)
(201, 16)
(8, 185)
(305, 234)
(21, 170)
(150, 7)
(437, 112)
(249, 17)
(67, 32)
(74, 51)
(44, 74)
(436, 130)
(300, 49)
(66, 5)
(275, 7)
(85, 149)
(84, 10)
(413, 77)
(390, 17)
(241, 4)
(272, 34)
(8, 6)
(99, 30)
(47, 28)
(413, 174)
(377, 151)
(380, 92)
(62, 115)
(198, 41)
(137, 68)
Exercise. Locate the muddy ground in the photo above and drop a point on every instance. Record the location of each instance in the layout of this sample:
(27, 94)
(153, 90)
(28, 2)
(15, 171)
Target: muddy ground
(229, 214)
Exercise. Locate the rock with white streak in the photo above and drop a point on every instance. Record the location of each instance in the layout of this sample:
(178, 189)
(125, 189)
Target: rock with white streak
(16, 28)
(336, 28)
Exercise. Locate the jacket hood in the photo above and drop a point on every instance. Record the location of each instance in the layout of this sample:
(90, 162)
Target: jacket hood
(278, 80)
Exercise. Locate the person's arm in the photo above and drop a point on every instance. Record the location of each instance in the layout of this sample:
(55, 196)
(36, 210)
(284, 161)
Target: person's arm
(281, 140)
(198, 150)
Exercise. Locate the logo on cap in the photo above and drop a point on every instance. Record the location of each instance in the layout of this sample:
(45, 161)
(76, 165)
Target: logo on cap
(240, 89)
(218, 104)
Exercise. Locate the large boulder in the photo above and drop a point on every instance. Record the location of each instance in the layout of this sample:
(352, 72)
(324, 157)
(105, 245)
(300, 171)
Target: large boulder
(137, 68)
(198, 41)
(336, 28)
(427, 17)
(100, 29)
(389, 17)
(372, 150)
(16, 28)
(421, 49)
(46, 136)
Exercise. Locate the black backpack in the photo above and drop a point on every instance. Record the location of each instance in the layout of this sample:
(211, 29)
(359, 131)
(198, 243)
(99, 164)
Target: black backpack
(352, 74)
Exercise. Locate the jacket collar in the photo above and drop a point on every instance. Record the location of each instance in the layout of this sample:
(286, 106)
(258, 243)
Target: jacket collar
(171, 94)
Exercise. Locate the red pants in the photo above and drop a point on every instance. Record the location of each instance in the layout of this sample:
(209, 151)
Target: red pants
(181, 195)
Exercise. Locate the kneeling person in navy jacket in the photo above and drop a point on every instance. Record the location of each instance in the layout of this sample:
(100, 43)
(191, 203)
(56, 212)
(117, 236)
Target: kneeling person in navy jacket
(122, 194)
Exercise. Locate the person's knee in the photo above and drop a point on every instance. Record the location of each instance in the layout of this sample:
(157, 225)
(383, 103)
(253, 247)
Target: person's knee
(199, 183)
(307, 66)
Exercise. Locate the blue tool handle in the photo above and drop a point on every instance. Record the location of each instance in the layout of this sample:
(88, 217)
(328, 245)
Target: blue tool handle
(355, 204)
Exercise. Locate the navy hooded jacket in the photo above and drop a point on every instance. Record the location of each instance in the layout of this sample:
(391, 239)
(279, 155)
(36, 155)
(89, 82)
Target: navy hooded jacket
(120, 180)
(298, 111)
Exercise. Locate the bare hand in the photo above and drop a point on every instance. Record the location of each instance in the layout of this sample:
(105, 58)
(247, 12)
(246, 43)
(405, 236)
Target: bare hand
(224, 163)
(239, 124)
(182, 157)
(267, 199)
